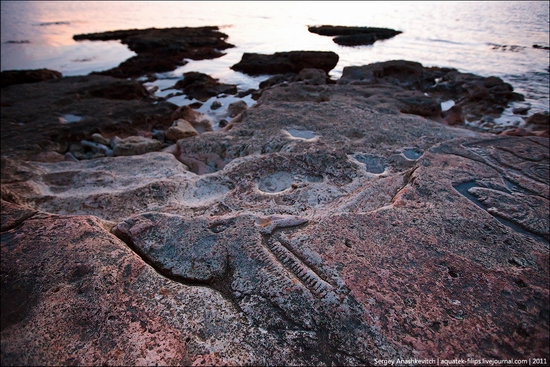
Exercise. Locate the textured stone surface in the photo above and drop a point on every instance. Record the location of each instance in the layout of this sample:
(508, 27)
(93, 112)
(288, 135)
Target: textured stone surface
(180, 129)
(72, 293)
(134, 145)
(316, 228)
(105, 105)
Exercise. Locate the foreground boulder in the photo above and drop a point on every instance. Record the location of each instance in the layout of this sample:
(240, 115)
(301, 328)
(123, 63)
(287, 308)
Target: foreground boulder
(286, 62)
(161, 50)
(354, 36)
(312, 230)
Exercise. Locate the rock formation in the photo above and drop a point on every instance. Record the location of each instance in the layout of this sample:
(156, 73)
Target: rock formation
(11, 77)
(202, 86)
(354, 36)
(160, 50)
(286, 62)
(322, 226)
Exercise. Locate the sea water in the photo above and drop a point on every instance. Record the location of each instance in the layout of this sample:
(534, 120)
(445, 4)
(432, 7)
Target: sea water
(483, 38)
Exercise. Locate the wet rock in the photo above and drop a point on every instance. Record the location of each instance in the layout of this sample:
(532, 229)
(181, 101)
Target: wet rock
(110, 107)
(161, 50)
(11, 77)
(354, 36)
(245, 93)
(70, 157)
(312, 76)
(119, 89)
(203, 126)
(180, 129)
(405, 74)
(98, 138)
(477, 96)
(215, 105)
(222, 123)
(453, 116)
(134, 145)
(203, 87)
(539, 118)
(521, 110)
(420, 105)
(276, 79)
(379, 33)
(285, 62)
(100, 150)
(236, 107)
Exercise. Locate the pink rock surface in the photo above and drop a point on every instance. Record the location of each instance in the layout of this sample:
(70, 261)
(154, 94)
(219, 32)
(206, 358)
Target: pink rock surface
(316, 230)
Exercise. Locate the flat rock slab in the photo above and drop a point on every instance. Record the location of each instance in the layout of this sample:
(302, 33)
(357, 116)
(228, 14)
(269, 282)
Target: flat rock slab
(104, 305)
(11, 77)
(354, 36)
(286, 62)
(161, 50)
(313, 230)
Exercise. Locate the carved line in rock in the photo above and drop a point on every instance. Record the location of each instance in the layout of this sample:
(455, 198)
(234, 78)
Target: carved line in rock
(282, 252)
(309, 278)
(281, 280)
(463, 189)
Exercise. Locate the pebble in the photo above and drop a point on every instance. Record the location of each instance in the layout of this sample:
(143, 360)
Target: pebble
(215, 105)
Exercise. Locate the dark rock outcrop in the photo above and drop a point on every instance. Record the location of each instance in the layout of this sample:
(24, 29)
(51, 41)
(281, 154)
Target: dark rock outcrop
(161, 50)
(476, 96)
(11, 77)
(286, 62)
(96, 104)
(202, 87)
(354, 36)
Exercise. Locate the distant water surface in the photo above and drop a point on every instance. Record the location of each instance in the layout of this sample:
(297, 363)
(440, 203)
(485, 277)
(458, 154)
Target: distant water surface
(484, 38)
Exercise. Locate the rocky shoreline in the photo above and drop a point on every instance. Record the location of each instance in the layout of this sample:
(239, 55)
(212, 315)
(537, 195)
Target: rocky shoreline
(334, 222)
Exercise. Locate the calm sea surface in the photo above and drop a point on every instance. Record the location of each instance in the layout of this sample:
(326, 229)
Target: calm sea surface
(484, 38)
